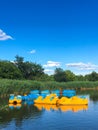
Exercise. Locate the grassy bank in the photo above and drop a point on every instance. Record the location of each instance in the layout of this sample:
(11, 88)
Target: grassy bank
(25, 86)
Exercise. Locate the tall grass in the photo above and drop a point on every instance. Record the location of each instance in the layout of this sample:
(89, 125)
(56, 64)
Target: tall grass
(25, 86)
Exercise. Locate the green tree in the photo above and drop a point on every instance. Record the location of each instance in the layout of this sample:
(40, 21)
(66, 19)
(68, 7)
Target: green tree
(29, 70)
(80, 78)
(92, 77)
(19, 62)
(33, 70)
(59, 75)
(9, 70)
(46, 77)
(70, 76)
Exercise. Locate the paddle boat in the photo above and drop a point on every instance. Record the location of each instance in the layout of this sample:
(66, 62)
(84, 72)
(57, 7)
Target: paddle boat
(75, 100)
(31, 96)
(15, 99)
(49, 99)
(44, 93)
(57, 92)
(68, 93)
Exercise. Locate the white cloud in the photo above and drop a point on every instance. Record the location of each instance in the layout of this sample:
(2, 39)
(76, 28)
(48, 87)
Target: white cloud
(12, 62)
(83, 66)
(4, 36)
(32, 51)
(52, 64)
(49, 71)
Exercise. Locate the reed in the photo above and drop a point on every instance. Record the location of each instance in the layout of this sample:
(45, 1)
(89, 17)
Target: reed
(25, 86)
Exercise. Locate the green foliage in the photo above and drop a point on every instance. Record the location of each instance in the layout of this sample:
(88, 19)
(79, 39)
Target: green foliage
(29, 70)
(45, 77)
(59, 75)
(92, 77)
(80, 78)
(20, 69)
(17, 86)
(25, 86)
(9, 70)
(69, 76)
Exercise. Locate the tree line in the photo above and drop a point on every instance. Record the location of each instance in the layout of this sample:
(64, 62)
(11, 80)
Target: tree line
(20, 69)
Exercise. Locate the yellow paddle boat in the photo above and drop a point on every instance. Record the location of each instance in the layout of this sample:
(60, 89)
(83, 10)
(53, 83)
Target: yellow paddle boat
(15, 100)
(49, 99)
(75, 100)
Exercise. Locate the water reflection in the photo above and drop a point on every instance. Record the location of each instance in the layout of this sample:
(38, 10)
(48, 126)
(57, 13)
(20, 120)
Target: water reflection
(46, 107)
(74, 108)
(17, 106)
(28, 115)
(18, 112)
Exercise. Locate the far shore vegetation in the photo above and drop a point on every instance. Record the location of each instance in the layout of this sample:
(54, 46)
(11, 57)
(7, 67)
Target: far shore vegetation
(20, 77)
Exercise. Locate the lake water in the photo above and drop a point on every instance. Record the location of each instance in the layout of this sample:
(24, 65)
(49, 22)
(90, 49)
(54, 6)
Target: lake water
(50, 117)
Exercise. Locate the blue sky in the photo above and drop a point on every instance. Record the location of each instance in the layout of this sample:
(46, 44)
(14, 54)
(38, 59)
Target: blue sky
(53, 33)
